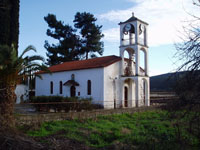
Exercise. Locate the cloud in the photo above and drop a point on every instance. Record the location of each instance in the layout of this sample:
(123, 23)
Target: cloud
(156, 72)
(165, 18)
(111, 35)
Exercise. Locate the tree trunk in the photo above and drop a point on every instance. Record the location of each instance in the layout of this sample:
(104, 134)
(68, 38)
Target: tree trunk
(14, 23)
(7, 99)
(86, 55)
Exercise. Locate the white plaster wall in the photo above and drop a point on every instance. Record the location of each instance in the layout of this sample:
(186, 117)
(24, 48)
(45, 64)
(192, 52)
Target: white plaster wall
(111, 77)
(142, 73)
(133, 98)
(131, 93)
(81, 76)
(142, 94)
(112, 92)
(21, 92)
(141, 101)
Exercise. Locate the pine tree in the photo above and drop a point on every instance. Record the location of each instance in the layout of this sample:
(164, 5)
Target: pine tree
(91, 34)
(72, 45)
(67, 48)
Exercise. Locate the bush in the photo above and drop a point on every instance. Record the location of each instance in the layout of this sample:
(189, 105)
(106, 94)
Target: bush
(46, 99)
(59, 103)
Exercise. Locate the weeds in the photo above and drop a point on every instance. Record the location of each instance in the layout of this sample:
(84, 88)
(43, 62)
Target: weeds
(143, 130)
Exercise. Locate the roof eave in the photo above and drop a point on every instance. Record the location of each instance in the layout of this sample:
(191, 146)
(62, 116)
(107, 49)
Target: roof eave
(101, 66)
(136, 19)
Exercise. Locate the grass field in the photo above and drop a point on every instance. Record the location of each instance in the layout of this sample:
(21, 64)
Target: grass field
(142, 130)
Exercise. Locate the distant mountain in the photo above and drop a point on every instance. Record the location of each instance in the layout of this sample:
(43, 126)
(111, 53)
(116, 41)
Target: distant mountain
(167, 82)
(163, 82)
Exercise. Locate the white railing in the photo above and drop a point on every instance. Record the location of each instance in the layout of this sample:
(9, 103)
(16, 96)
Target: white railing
(126, 42)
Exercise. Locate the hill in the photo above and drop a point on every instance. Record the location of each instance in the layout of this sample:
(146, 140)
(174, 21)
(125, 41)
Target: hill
(163, 82)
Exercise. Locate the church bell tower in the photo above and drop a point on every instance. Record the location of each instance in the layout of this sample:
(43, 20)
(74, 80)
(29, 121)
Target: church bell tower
(134, 78)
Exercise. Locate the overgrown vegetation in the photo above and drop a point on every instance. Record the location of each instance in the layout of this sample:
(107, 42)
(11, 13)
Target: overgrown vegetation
(13, 69)
(59, 103)
(188, 51)
(188, 84)
(47, 99)
(143, 130)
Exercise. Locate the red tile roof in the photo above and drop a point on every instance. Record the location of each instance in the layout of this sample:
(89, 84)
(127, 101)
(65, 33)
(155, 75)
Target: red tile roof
(84, 64)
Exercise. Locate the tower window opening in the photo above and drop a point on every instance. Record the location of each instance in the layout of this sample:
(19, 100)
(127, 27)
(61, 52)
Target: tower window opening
(141, 34)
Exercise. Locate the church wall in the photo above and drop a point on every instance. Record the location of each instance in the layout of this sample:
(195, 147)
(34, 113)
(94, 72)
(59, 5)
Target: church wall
(144, 96)
(81, 76)
(111, 85)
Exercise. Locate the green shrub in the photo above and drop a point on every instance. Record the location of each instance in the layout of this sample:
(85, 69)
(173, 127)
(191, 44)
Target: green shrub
(46, 99)
(45, 103)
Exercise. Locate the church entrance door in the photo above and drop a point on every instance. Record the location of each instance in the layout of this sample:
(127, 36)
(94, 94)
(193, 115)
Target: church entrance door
(125, 96)
(73, 91)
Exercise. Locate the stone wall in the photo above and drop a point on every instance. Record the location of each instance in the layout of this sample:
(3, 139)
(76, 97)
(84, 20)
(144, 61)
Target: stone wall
(37, 119)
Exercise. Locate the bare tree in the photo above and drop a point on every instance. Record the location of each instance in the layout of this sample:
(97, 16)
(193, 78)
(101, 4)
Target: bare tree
(188, 52)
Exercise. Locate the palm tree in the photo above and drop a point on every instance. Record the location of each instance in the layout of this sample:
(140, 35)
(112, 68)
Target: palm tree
(13, 69)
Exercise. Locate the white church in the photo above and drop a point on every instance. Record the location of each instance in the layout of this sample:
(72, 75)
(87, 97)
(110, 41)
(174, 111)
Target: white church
(112, 81)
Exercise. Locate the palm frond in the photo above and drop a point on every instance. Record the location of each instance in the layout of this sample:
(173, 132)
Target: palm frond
(35, 58)
(29, 48)
(14, 68)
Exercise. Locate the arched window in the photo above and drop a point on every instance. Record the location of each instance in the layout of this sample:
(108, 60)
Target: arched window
(51, 87)
(125, 96)
(89, 87)
(61, 87)
(72, 77)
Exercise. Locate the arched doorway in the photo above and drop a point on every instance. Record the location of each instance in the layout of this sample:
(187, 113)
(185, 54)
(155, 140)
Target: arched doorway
(73, 91)
(125, 96)
(129, 93)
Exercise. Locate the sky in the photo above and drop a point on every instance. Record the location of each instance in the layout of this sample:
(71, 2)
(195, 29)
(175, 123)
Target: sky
(166, 19)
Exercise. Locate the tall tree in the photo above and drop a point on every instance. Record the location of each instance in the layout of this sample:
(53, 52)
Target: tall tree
(90, 33)
(9, 22)
(188, 51)
(14, 23)
(67, 48)
(5, 18)
(72, 45)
